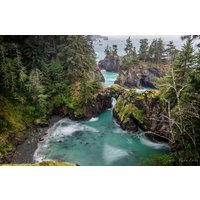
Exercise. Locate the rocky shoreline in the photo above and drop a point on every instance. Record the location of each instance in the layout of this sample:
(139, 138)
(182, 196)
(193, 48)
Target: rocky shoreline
(132, 110)
(24, 151)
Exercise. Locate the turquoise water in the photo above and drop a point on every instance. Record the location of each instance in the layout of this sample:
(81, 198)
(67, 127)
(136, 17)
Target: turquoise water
(110, 77)
(98, 142)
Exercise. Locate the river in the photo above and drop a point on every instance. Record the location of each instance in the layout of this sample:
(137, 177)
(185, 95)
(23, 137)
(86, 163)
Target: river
(98, 142)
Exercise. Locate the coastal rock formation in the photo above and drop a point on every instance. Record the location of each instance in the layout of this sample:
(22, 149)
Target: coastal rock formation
(115, 91)
(92, 108)
(144, 110)
(97, 75)
(139, 76)
(102, 102)
(95, 106)
(110, 63)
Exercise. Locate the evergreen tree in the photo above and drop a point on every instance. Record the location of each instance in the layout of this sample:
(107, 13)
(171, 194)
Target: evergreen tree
(178, 91)
(114, 49)
(143, 51)
(156, 51)
(187, 54)
(129, 46)
(131, 57)
(80, 57)
(107, 51)
(160, 49)
(171, 51)
(152, 50)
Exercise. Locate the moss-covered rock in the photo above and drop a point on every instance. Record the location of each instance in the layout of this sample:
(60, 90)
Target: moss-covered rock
(14, 118)
(143, 110)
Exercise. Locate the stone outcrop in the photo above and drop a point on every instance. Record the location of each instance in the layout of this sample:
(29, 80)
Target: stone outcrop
(97, 75)
(144, 110)
(139, 76)
(102, 102)
(93, 108)
(110, 63)
(115, 91)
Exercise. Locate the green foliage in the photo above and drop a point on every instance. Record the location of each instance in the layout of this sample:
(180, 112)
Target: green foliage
(156, 51)
(111, 51)
(2, 150)
(131, 57)
(129, 46)
(41, 73)
(44, 163)
(159, 160)
(128, 61)
(114, 52)
(171, 51)
(107, 51)
(143, 51)
(127, 110)
(180, 90)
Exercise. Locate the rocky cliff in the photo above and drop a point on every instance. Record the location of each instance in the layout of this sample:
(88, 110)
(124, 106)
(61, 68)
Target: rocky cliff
(145, 111)
(140, 76)
(97, 75)
(110, 63)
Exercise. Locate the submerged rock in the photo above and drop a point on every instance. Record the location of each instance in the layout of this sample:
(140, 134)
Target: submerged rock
(139, 76)
(110, 63)
(146, 111)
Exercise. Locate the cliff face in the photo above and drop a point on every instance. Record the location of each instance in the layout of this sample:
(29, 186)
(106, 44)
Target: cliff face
(97, 75)
(139, 76)
(145, 111)
(110, 63)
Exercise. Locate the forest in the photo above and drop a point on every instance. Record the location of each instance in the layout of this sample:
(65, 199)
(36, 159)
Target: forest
(45, 75)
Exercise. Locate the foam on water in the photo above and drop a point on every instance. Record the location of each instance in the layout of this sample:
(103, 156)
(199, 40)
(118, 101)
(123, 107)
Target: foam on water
(62, 129)
(93, 119)
(112, 154)
(154, 145)
(101, 142)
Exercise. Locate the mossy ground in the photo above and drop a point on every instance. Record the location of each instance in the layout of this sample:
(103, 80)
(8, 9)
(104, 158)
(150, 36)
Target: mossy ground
(44, 163)
(15, 119)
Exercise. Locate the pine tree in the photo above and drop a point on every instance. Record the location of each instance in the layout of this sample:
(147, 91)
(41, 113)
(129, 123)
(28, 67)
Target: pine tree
(143, 51)
(156, 51)
(187, 54)
(160, 49)
(171, 51)
(178, 91)
(129, 46)
(152, 50)
(107, 51)
(114, 49)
